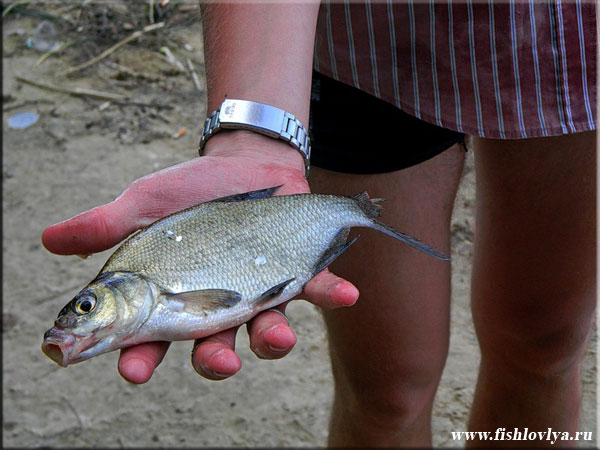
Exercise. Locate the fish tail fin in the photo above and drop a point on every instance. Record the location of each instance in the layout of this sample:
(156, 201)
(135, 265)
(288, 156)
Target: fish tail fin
(370, 206)
(409, 240)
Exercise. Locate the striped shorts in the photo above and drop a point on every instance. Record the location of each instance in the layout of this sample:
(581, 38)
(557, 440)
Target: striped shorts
(496, 69)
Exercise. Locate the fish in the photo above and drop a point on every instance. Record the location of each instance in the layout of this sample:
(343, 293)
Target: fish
(209, 268)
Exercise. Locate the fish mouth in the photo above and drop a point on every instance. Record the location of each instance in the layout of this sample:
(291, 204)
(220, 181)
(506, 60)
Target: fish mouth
(62, 346)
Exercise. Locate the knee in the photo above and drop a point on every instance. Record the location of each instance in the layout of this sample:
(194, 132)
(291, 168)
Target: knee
(536, 347)
(395, 399)
(397, 408)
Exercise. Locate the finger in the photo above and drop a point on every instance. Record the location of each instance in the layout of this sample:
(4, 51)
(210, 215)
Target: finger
(156, 195)
(329, 291)
(214, 357)
(137, 363)
(144, 201)
(270, 334)
(92, 231)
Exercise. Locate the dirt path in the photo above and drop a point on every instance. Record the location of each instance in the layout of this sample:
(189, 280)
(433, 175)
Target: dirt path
(81, 154)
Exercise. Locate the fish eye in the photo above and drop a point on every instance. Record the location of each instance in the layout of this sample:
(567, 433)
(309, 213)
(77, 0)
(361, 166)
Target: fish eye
(85, 304)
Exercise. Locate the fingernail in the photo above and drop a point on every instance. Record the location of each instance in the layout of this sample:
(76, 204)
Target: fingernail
(346, 295)
(280, 312)
(258, 353)
(215, 355)
(221, 375)
(277, 349)
(276, 329)
(205, 371)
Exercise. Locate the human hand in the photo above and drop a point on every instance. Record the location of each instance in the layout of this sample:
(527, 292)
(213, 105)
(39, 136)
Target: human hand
(235, 162)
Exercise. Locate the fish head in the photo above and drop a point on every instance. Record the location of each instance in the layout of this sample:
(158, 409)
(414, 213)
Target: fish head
(92, 322)
(81, 324)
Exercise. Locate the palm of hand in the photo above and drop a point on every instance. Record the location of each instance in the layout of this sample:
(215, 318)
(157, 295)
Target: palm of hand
(175, 188)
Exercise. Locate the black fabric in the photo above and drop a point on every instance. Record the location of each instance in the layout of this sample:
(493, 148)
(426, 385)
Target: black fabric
(355, 132)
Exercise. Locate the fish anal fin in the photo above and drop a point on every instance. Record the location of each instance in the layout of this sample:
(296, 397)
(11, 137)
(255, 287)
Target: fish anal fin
(337, 247)
(202, 301)
(251, 195)
(273, 292)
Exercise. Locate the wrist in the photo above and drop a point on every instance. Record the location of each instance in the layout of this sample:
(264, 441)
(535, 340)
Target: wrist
(255, 146)
(260, 118)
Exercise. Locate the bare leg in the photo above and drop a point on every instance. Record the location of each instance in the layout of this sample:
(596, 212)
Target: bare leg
(388, 351)
(533, 286)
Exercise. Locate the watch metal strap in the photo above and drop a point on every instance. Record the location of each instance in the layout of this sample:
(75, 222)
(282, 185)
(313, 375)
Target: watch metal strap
(259, 117)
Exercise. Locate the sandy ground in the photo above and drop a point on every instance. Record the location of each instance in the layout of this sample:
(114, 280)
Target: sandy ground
(78, 156)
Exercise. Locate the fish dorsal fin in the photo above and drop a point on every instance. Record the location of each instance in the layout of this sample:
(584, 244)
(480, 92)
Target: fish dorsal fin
(370, 206)
(273, 292)
(202, 301)
(252, 195)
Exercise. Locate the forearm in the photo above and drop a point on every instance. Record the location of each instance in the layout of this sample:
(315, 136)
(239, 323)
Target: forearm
(260, 52)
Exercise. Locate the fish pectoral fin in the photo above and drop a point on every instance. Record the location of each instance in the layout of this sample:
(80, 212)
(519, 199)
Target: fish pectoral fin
(196, 302)
(273, 292)
(252, 195)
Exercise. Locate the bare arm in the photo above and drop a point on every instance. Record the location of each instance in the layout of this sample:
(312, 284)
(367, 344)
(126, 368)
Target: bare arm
(260, 52)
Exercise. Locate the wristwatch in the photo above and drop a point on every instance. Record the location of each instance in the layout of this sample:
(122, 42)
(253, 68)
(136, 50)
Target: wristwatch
(259, 117)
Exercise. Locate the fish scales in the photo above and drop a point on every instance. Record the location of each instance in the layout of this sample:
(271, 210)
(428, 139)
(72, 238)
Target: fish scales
(277, 229)
(209, 268)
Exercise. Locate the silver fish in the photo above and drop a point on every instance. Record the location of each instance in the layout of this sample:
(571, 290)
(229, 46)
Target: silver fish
(209, 268)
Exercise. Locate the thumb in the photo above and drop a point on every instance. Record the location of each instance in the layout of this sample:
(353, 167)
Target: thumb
(329, 291)
(92, 231)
